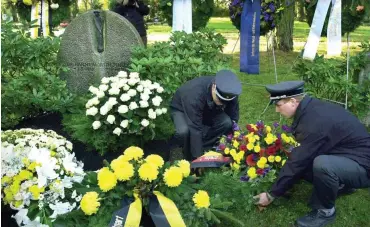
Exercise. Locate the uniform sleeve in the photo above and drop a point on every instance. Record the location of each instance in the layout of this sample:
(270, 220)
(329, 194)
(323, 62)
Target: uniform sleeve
(300, 159)
(232, 109)
(143, 9)
(193, 110)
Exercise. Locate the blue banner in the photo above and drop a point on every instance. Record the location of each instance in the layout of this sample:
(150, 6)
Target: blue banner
(250, 37)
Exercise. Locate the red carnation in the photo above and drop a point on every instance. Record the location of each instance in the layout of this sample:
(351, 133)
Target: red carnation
(260, 171)
(250, 129)
(242, 147)
(262, 152)
(271, 150)
(249, 160)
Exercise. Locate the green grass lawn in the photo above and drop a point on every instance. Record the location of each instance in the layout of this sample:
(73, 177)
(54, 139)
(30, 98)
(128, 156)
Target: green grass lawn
(352, 210)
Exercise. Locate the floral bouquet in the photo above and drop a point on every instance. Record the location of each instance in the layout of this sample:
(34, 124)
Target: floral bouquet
(268, 15)
(259, 149)
(131, 182)
(38, 171)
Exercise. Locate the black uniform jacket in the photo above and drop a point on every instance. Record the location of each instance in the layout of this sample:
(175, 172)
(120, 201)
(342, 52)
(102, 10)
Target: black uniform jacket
(322, 128)
(134, 14)
(194, 99)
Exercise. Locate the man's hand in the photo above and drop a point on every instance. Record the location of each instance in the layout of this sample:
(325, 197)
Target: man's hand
(263, 199)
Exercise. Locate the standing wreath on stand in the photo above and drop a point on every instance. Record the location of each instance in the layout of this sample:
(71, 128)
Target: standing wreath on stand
(268, 17)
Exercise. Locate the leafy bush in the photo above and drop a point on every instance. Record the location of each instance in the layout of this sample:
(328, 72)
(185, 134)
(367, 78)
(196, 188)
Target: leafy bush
(29, 82)
(326, 78)
(201, 13)
(183, 58)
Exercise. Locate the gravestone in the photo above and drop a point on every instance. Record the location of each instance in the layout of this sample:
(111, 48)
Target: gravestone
(365, 77)
(96, 44)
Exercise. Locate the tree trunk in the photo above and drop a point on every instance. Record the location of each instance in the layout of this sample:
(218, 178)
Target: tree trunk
(301, 11)
(285, 28)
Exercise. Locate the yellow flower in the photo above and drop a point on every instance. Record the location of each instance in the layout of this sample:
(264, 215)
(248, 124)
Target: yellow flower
(201, 199)
(32, 166)
(257, 137)
(5, 180)
(263, 159)
(185, 167)
(155, 160)
(236, 144)
(18, 203)
(235, 166)
(173, 176)
(106, 179)
(35, 190)
(227, 150)
(271, 158)
(8, 196)
(277, 159)
(27, 2)
(26, 161)
(252, 173)
(14, 188)
(25, 175)
(283, 162)
(148, 172)
(254, 127)
(250, 146)
(269, 140)
(252, 140)
(236, 134)
(268, 129)
(134, 153)
(124, 171)
(90, 203)
(232, 152)
(261, 164)
(257, 148)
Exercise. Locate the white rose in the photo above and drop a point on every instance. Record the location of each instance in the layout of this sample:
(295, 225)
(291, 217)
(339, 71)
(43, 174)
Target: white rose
(144, 97)
(143, 104)
(132, 81)
(121, 83)
(147, 91)
(124, 124)
(133, 106)
(114, 91)
(122, 109)
(134, 75)
(92, 111)
(160, 89)
(144, 122)
(104, 80)
(158, 111)
(131, 92)
(122, 74)
(112, 101)
(117, 131)
(140, 88)
(93, 89)
(125, 97)
(164, 110)
(100, 94)
(111, 119)
(103, 87)
(95, 101)
(157, 101)
(104, 110)
(96, 125)
(126, 87)
(152, 115)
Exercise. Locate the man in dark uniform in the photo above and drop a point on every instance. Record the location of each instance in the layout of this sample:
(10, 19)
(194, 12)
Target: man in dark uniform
(334, 151)
(203, 109)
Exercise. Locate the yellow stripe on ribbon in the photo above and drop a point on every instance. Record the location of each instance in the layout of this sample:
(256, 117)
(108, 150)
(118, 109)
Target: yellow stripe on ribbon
(35, 16)
(134, 213)
(170, 210)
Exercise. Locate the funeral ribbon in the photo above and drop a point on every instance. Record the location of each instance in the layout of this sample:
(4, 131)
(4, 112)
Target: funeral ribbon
(40, 12)
(162, 210)
(250, 37)
(334, 33)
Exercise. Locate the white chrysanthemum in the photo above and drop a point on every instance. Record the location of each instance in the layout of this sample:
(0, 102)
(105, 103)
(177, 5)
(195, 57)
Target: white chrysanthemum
(105, 109)
(147, 91)
(164, 110)
(104, 80)
(111, 101)
(122, 74)
(131, 92)
(140, 88)
(146, 83)
(100, 94)
(143, 104)
(160, 90)
(103, 87)
(92, 111)
(126, 87)
(114, 90)
(144, 97)
(124, 124)
(117, 131)
(132, 81)
(122, 82)
(122, 109)
(144, 122)
(93, 89)
(151, 114)
(114, 79)
(134, 75)
(133, 106)
(158, 111)
(125, 97)
(157, 101)
(111, 119)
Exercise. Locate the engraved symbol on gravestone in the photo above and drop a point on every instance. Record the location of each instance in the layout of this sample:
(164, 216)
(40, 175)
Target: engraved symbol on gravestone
(96, 44)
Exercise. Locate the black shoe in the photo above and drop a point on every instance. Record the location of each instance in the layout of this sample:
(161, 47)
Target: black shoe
(316, 218)
(346, 191)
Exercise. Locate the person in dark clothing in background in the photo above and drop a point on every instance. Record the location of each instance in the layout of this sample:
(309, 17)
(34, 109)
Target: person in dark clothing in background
(203, 109)
(334, 152)
(134, 11)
